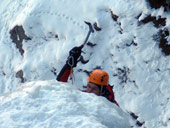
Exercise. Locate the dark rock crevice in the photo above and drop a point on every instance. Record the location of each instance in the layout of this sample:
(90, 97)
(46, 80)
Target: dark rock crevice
(115, 18)
(96, 27)
(123, 74)
(158, 3)
(17, 36)
(20, 75)
(163, 42)
(162, 38)
(135, 117)
(157, 21)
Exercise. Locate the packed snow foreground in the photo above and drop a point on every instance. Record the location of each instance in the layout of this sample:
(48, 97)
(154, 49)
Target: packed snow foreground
(35, 39)
(50, 104)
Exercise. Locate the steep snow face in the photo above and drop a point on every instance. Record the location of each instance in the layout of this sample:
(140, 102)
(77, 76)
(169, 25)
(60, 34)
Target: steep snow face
(127, 47)
(48, 104)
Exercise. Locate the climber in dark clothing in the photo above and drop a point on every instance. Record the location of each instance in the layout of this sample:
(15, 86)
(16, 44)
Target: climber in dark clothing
(98, 80)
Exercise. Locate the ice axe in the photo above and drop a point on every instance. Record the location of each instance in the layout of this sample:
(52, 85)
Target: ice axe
(90, 31)
(75, 53)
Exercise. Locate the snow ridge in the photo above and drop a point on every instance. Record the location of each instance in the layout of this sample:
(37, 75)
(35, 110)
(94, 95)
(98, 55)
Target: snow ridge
(125, 47)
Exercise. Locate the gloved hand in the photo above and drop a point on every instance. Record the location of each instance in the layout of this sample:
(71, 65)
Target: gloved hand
(74, 54)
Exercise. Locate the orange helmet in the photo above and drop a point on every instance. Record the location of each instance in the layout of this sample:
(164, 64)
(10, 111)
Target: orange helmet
(99, 77)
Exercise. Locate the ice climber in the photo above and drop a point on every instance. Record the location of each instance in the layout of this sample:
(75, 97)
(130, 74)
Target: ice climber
(97, 81)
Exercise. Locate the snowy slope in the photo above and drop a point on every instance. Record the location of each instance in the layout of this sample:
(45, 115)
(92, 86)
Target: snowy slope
(48, 104)
(125, 48)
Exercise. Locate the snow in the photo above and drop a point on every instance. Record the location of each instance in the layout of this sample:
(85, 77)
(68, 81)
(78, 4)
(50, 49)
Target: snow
(50, 104)
(140, 73)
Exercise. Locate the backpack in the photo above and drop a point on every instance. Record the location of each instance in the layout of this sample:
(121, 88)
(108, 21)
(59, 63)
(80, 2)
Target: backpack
(109, 94)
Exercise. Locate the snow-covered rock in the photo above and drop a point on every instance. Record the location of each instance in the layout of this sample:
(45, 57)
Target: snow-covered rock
(128, 47)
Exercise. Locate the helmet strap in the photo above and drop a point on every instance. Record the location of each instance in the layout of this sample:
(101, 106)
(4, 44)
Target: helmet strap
(102, 92)
(101, 89)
